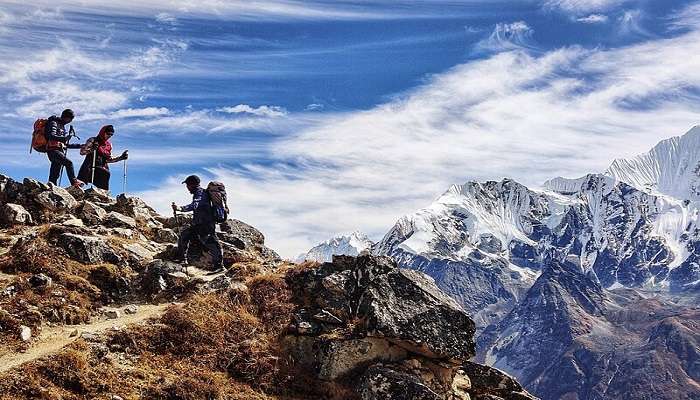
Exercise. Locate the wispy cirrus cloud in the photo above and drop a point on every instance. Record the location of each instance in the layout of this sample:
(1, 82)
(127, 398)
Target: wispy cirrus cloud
(530, 117)
(583, 6)
(507, 36)
(593, 19)
(262, 111)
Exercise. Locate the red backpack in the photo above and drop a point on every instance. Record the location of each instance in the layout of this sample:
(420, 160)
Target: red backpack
(38, 136)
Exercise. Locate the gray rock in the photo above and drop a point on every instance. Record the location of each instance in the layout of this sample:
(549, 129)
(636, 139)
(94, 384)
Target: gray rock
(112, 314)
(40, 281)
(87, 249)
(402, 306)
(131, 309)
(89, 336)
(159, 276)
(489, 243)
(117, 220)
(164, 235)
(32, 185)
(490, 381)
(383, 383)
(91, 213)
(15, 214)
(138, 253)
(25, 333)
(55, 199)
(137, 209)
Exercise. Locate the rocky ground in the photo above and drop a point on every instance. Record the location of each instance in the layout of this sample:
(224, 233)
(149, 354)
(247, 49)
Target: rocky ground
(92, 307)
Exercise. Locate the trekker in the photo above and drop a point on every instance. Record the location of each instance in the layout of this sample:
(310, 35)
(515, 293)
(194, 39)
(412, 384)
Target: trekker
(57, 147)
(203, 224)
(98, 155)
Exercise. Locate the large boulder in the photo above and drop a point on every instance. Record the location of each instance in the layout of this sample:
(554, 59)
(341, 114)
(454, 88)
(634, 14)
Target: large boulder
(492, 384)
(14, 214)
(91, 213)
(118, 220)
(402, 306)
(362, 319)
(137, 209)
(51, 198)
(87, 249)
(383, 383)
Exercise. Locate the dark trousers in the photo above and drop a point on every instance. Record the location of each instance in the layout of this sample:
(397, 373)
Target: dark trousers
(58, 159)
(206, 234)
(102, 174)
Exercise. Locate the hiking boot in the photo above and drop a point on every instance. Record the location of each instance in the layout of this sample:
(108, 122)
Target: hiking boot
(216, 270)
(77, 183)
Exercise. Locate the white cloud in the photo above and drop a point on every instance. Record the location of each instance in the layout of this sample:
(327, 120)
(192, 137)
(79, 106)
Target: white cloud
(240, 10)
(262, 111)
(580, 7)
(314, 107)
(630, 23)
(566, 112)
(165, 18)
(593, 19)
(66, 76)
(511, 36)
(687, 18)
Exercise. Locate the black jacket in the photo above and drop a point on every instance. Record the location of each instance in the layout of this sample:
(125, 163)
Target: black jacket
(201, 208)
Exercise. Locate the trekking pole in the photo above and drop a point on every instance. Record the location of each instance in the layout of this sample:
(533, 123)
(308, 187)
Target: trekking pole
(94, 159)
(124, 178)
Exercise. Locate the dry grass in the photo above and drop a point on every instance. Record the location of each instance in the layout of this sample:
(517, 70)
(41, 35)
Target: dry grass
(216, 346)
(77, 289)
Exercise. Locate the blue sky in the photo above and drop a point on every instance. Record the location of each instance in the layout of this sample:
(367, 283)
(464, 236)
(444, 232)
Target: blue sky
(328, 117)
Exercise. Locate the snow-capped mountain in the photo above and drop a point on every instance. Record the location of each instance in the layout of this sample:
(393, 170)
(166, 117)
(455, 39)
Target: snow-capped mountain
(348, 245)
(550, 275)
(671, 168)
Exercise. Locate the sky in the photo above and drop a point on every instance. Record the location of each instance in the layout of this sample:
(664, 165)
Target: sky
(326, 117)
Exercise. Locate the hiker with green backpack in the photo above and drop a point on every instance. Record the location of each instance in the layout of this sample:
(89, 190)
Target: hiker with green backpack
(50, 137)
(208, 207)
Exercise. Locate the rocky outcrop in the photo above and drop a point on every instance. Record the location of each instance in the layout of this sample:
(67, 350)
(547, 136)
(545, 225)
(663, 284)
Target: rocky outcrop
(365, 320)
(14, 214)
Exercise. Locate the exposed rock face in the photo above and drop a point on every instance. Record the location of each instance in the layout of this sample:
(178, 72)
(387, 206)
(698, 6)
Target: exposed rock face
(90, 213)
(118, 220)
(393, 330)
(15, 214)
(87, 249)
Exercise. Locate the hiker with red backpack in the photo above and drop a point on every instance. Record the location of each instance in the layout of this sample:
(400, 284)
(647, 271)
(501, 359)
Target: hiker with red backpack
(208, 207)
(55, 143)
(98, 156)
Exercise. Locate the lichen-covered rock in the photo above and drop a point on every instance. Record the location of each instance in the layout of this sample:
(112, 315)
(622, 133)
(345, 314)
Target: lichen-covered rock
(87, 249)
(52, 199)
(118, 220)
(15, 214)
(137, 209)
(91, 213)
(402, 306)
(490, 383)
(383, 383)
(334, 359)
(164, 235)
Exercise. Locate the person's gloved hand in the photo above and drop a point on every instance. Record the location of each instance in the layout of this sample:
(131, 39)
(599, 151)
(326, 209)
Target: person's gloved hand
(125, 155)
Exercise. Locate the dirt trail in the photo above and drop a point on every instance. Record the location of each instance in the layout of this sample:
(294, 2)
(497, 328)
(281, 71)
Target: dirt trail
(51, 340)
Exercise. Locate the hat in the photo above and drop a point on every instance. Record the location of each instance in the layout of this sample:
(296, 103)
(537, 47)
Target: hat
(67, 113)
(192, 180)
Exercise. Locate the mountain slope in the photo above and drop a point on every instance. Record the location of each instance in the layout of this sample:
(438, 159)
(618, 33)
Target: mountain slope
(344, 245)
(671, 168)
(586, 289)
